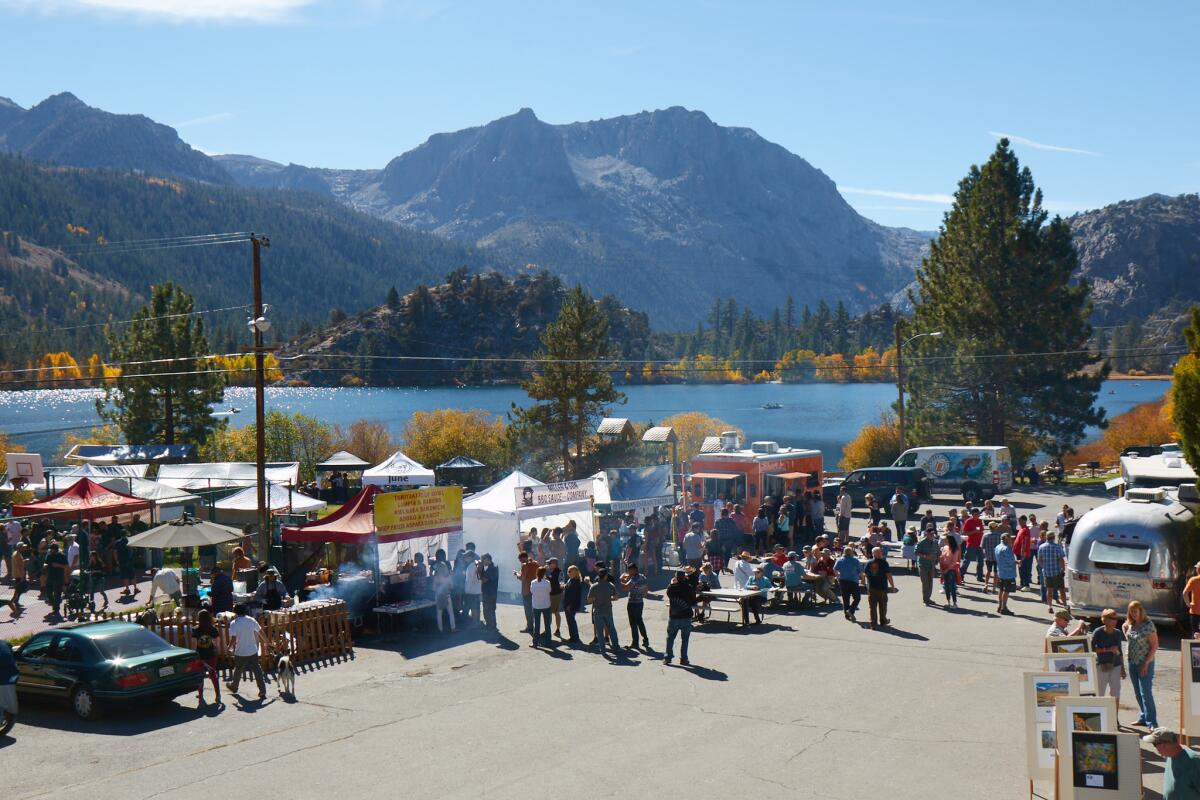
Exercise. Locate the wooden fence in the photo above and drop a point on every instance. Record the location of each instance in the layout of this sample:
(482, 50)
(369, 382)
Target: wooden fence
(312, 634)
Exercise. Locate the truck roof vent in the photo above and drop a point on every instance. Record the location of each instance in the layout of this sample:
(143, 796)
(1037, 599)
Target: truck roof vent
(1188, 494)
(1145, 495)
(730, 442)
(765, 448)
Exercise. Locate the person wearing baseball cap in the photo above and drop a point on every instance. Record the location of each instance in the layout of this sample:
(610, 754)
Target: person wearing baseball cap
(1062, 619)
(1181, 771)
(927, 559)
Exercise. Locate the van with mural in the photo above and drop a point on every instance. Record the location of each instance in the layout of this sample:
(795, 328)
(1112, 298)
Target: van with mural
(975, 473)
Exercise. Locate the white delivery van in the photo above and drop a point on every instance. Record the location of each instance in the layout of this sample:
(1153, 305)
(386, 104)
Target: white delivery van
(975, 473)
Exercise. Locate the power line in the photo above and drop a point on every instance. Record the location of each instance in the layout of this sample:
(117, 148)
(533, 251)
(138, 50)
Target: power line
(162, 240)
(39, 331)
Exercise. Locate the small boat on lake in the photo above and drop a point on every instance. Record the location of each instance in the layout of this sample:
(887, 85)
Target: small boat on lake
(771, 406)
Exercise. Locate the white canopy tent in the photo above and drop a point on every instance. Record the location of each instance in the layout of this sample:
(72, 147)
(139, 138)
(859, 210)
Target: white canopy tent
(243, 506)
(492, 520)
(226, 474)
(398, 470)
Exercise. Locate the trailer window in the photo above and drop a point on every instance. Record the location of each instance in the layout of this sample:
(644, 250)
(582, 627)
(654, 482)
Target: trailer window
(1120, 556)
(906, 460)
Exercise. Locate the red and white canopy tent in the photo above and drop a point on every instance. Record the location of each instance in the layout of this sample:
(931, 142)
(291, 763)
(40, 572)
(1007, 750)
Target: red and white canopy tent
(84, 499)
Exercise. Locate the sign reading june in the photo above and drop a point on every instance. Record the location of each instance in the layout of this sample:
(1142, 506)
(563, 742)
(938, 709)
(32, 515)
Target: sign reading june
(549, 494)
(418, 512)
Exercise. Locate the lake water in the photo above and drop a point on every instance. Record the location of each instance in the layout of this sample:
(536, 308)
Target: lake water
(821, 416)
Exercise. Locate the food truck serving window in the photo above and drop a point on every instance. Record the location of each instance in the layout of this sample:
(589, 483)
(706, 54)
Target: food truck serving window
(1120, 556)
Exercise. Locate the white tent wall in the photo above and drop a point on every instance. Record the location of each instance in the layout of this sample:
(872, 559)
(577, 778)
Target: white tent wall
(394, 553)
(500, 534)
(492, 522)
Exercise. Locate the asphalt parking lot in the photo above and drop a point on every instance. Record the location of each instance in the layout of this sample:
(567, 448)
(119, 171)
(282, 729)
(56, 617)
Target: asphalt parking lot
(807, 705)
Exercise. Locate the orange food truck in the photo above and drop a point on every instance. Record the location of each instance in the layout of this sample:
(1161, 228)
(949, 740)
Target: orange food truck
(746, 476)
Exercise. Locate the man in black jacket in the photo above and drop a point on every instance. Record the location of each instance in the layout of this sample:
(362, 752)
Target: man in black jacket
(681, 599)
(489, 581)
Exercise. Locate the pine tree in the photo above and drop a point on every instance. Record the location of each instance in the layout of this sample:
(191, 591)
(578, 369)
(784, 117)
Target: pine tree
(167, 386)
(997, 261)
(570, 389)
(393, 298)
(840, 340)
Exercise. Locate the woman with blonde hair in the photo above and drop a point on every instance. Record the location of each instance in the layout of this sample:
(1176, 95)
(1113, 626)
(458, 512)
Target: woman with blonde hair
(1142, 637)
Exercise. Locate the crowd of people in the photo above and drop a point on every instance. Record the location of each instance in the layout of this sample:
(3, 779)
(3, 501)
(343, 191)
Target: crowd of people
(36, 557)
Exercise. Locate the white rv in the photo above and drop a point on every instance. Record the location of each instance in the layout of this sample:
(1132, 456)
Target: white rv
(1130, 549)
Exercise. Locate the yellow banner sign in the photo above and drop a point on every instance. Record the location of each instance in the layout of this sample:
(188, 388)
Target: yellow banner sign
(418, 512)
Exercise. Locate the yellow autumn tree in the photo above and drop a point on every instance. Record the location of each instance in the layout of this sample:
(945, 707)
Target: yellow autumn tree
(875, 445)
(370, 440)
(832, 368)
(692, 426)
(432, 437)
(1145, 423)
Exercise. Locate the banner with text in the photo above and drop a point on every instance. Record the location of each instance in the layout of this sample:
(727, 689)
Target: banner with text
(550, 494)
(418, 512)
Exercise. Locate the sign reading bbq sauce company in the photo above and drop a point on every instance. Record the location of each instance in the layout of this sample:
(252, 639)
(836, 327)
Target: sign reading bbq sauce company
(549, 494)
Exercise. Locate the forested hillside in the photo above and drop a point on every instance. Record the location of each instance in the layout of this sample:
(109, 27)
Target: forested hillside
(322, 255)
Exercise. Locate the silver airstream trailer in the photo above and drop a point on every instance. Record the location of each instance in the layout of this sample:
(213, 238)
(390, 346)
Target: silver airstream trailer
(1129, 549)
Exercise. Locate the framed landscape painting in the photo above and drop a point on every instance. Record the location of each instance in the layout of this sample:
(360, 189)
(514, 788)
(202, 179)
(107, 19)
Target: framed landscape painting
(1082, 664)
(1069, 644)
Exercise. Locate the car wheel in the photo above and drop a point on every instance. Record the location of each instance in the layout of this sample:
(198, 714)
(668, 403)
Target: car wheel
(84, 703)
(971, 493)
(7, 719)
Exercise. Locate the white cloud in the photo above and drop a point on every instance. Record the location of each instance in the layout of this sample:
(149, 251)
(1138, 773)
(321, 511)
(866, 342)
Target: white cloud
(179, 10)
(913, 197)
(206, 120)
(1012, 137)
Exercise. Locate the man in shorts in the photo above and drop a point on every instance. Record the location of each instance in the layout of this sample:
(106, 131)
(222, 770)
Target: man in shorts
(1005, 563)
(1052, 560)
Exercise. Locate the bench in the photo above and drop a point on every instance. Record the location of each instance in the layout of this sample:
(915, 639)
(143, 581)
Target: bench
(727, 607)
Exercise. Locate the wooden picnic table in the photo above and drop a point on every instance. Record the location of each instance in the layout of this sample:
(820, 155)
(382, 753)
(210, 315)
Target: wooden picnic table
(739, 596)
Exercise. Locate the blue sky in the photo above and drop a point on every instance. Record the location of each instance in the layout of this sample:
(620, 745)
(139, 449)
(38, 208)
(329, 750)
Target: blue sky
(892, 100)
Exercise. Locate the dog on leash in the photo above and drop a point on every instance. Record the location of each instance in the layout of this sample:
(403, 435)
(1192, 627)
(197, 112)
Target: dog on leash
(285, 676)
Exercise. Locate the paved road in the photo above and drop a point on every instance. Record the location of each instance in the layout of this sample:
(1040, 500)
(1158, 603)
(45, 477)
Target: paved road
(809, 706)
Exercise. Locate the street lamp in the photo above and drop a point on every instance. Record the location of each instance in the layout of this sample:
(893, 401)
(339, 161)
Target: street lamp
(900, 372)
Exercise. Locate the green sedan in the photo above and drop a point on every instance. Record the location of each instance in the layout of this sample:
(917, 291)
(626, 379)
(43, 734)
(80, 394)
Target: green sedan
(103, 663)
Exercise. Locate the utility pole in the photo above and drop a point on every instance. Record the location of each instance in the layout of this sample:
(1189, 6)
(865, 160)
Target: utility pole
(260, 441)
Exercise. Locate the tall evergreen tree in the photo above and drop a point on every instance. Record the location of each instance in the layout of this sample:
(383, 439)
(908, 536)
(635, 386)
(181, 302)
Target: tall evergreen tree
(840, 340)
(167, 387)
(997, 282)
(570, 389)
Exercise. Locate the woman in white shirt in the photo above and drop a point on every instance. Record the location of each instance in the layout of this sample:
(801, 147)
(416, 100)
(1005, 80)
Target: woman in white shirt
(539, 591)
(472, 590)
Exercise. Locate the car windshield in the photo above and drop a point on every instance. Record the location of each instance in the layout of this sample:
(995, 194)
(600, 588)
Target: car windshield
(131, 644)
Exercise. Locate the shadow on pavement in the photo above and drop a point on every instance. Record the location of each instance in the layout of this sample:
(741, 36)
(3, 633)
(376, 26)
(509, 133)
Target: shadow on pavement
(117, 721)
(704, 672)
(892, 630)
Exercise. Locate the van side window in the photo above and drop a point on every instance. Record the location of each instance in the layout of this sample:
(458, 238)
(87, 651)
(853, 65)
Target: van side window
(907, 460)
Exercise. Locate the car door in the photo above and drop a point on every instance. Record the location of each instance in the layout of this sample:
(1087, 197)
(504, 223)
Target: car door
(64, 667)
(32, 660)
